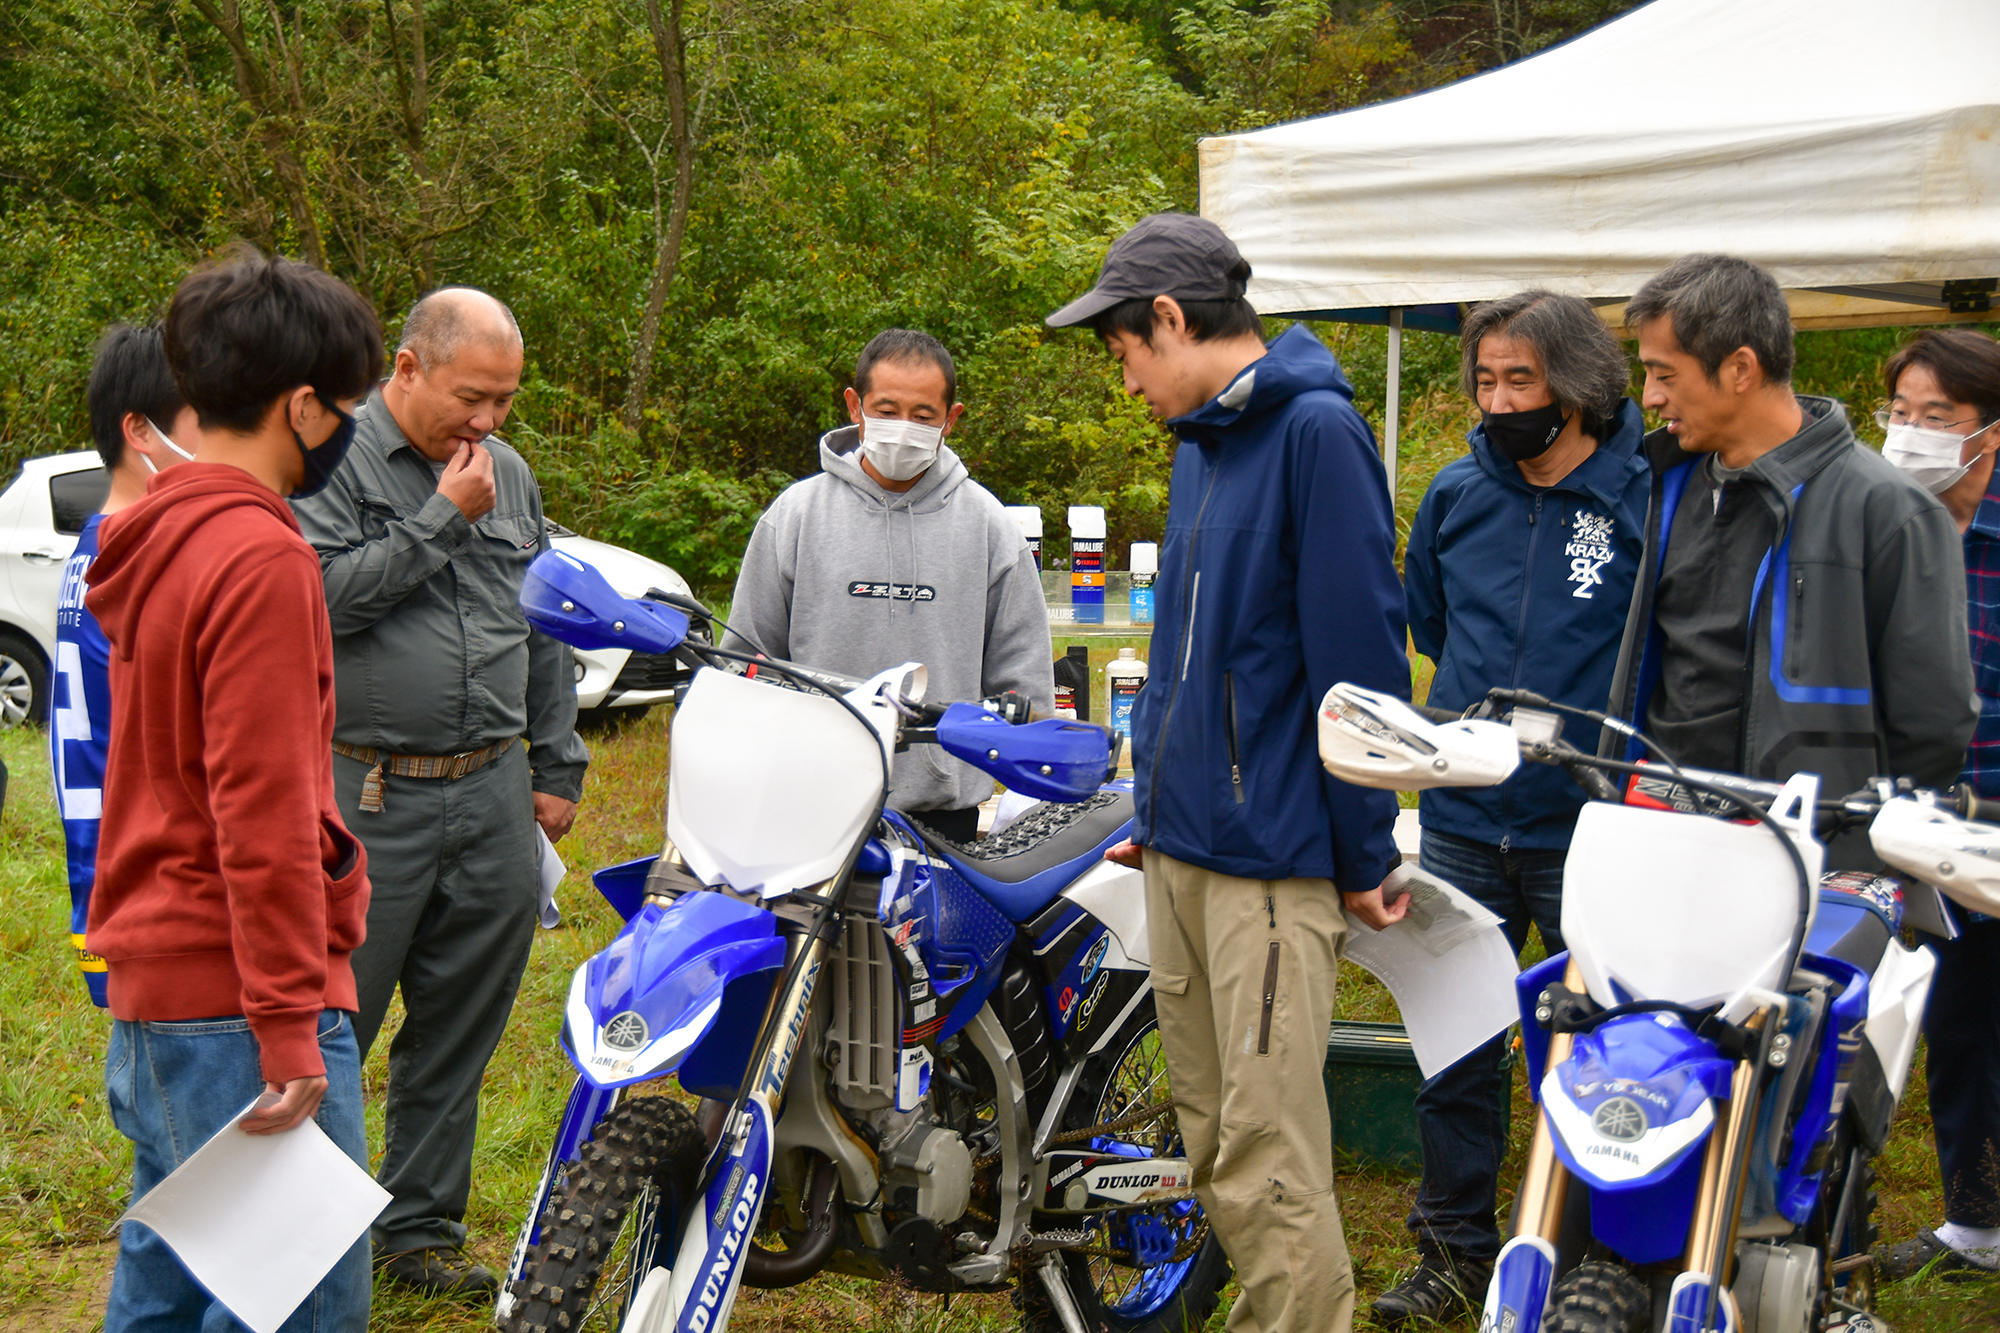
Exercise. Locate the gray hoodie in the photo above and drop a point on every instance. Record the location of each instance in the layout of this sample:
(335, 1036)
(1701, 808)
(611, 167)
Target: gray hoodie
(846, 576)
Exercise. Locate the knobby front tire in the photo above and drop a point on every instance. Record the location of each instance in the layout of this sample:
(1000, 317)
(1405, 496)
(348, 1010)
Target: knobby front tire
(646, 1156)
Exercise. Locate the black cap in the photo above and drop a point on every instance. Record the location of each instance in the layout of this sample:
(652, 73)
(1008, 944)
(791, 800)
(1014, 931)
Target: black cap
(1167, 254)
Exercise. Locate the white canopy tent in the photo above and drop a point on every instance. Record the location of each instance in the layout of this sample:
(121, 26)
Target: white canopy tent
(1852, 147)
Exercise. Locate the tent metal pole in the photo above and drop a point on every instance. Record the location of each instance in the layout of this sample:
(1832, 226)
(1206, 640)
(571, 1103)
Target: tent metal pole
(1395, 396)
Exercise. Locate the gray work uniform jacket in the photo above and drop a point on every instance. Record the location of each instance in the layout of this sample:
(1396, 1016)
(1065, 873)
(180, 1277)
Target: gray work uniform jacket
(432, 655)
(1855, 661)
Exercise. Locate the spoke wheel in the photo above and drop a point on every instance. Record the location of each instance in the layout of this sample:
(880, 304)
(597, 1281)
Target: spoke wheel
(1119, 1294)
(604, 1227)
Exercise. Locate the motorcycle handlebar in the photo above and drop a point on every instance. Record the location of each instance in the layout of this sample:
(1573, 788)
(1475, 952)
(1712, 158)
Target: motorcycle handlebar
(1975, 807)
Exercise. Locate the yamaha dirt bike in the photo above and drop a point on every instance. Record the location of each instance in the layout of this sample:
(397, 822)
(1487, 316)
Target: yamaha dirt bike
(915, 1060)
(1717, 1058)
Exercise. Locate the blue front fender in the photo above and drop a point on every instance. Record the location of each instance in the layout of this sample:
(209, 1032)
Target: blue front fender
(639, 1006)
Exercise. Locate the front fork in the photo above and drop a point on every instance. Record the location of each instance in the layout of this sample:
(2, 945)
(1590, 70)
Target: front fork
(1517, 1298)
(1518, 1295)
(781, 1033)
(698, 1292)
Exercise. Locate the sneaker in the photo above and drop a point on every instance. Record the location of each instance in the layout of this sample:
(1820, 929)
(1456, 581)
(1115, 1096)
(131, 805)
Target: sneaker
(1444, 1286)
(439, 1271)
(1928, 1254)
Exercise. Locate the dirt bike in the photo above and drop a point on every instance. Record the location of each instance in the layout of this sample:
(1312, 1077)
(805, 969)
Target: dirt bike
(914, 1060)
(1717, 1058)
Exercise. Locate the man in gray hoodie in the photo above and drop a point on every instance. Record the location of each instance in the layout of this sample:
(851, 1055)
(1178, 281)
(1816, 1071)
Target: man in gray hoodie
(892, 554)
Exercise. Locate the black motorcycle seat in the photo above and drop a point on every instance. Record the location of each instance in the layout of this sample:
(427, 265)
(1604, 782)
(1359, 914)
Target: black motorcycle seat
(1024, 865)
(1851, 928)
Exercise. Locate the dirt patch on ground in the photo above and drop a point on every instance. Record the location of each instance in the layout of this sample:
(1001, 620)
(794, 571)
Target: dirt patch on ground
(79, 1278)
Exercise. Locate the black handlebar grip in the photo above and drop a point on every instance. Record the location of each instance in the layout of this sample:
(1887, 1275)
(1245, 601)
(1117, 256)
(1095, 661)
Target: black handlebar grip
(1973, 806)
(1438, 714)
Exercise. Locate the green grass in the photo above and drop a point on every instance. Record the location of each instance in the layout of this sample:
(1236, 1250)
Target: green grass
(63, 1167)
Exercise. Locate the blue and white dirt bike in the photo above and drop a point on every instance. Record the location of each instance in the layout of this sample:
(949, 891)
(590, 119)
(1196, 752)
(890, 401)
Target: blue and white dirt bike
(916, 1060)
(1718, 1057)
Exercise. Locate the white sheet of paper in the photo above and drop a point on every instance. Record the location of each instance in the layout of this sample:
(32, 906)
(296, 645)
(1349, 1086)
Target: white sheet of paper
(551, 869)
(259, 1219)
(1446, 963)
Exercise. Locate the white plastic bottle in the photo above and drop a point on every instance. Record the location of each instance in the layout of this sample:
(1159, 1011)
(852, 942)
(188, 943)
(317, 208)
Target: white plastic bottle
(1124, 676)
(1145, 568)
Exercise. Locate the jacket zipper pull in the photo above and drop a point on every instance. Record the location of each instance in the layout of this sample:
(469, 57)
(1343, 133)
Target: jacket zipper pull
(1270, 908)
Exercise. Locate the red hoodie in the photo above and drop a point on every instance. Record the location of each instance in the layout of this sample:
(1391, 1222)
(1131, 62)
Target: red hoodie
(226, 882)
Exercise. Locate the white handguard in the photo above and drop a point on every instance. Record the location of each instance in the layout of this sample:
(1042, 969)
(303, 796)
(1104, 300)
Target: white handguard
(1377, 740)
(1958, 856)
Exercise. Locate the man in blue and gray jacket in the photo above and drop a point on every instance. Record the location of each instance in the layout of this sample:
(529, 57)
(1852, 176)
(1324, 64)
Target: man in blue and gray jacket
(1519, 569)
(1277, 580)
(1802, 607)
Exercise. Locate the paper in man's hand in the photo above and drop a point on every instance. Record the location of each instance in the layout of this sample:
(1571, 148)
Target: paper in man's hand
(259, 1219)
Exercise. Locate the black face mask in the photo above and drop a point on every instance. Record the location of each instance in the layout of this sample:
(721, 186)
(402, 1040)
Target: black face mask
(325, 457)
(1523, 435)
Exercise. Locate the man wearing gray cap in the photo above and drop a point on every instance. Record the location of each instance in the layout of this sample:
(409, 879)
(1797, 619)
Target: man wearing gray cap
(1277, 579)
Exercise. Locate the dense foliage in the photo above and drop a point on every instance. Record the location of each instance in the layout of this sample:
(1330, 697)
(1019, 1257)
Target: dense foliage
(699, 209)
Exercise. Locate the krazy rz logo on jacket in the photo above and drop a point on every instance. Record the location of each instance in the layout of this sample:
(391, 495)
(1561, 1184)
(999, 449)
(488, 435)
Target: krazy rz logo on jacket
(1589, 551)
(899, 592)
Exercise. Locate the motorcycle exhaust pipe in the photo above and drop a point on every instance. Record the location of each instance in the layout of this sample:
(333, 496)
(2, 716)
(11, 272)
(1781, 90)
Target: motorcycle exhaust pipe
(768, 1268)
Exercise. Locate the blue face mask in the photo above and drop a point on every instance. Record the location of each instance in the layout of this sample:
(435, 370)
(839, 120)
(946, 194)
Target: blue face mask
(325, 457)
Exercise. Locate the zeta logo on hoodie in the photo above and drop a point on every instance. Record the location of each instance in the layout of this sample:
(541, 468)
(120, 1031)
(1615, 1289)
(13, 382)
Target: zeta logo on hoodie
(894, 592)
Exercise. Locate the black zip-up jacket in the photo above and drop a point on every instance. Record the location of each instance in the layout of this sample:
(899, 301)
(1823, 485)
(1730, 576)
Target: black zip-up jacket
(1855, 663)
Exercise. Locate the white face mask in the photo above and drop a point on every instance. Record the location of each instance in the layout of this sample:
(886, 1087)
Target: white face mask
(1930, 456)
(899, 449)
(167, 440)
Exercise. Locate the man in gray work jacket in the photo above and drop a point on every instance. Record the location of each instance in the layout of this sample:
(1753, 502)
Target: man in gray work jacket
(1801, 603)
(424, 534)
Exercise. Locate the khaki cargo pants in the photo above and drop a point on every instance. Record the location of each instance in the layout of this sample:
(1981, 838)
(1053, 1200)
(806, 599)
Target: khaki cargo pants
(1243, 974)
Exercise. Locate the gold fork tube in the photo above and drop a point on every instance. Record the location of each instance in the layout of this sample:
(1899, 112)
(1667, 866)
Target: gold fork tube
(1712, 1239)
(1538, 1208)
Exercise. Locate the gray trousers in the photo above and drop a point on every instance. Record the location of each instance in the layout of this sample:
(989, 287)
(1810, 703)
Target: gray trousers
(451, 921)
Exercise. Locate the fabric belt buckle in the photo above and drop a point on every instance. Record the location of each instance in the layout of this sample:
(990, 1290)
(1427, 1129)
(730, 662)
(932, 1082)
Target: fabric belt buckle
(464, 763)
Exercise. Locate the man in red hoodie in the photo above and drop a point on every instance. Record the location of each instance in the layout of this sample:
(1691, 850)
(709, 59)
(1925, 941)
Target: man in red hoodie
(229, 894)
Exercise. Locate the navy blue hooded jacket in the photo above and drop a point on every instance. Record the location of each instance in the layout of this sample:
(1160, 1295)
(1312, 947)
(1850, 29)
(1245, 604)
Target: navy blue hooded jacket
(1513, 586)
(1277, 580)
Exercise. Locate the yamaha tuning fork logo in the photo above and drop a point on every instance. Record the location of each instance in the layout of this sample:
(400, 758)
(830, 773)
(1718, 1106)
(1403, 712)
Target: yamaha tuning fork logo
(625, 1032)
(1621, 1120)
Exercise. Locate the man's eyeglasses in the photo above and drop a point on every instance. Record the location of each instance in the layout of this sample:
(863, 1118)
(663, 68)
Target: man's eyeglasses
(1886, 417)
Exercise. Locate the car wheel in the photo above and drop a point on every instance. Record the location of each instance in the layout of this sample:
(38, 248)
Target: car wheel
(24, 682)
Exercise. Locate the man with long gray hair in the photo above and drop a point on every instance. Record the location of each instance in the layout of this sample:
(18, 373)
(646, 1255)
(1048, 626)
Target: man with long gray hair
(424, 533)
(1521, 562)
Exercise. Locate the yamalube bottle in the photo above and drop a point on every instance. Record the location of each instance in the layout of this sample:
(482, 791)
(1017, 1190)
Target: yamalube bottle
(1145, 568)
(1124, 676)
(1029, 519)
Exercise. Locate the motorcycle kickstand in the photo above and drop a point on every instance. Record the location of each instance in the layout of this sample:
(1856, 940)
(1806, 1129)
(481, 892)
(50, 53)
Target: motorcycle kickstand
(1056, 1283)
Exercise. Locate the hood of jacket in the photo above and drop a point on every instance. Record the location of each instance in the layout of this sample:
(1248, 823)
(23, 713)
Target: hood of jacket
(1296, 362)
(136, 545)
(840, 456)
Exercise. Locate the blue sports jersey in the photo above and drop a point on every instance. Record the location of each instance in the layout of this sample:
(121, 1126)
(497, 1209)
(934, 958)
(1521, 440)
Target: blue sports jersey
(79, 736)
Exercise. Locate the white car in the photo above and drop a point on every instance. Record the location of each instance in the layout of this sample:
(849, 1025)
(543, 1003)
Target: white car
(42, 512)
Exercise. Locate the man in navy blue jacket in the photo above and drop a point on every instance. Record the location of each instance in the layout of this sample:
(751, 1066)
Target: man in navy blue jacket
(1519, 569)
(1277, 579)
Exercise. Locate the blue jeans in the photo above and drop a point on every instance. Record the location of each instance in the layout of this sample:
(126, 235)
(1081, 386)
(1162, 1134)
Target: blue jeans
(172, 1086)
(1463, 1113)
(1962, 1027)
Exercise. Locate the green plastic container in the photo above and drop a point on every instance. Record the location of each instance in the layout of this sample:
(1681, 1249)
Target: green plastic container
(1371, 1092)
